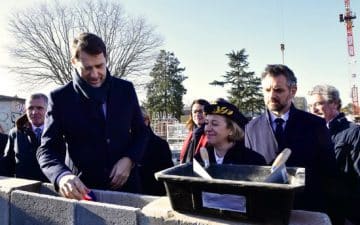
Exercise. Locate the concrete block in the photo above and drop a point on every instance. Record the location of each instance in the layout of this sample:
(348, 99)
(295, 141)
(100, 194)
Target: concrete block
(4, 206)
(48, 189)
(123, 198)
(111, 197)
(96, 213)
(46, 208)
(7, 185)
(37, 209)
(11, 183)
(160, 212)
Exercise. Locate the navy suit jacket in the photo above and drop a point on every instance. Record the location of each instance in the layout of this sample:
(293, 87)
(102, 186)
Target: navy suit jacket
(308, 138)
(93, 145)
(157, 156)
(19, 159)
(3, 141)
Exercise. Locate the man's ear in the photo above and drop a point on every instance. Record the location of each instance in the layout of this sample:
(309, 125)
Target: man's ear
(337, 103)
(293, 90)
(73, 61)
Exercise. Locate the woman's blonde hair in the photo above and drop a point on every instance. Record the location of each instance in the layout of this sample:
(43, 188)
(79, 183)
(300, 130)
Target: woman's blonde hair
(237, 133)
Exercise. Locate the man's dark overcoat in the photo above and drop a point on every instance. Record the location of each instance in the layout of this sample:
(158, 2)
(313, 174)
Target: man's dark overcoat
(94, 142)
(308, 138)
(19, 158)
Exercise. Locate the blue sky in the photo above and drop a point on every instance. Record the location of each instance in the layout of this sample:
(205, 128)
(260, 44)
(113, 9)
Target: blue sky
(201, 32)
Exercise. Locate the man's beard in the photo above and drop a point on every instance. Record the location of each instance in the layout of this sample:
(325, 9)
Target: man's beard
(275, 106)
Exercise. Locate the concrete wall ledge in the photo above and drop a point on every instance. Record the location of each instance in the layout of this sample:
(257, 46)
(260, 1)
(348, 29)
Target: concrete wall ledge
(39, 209)
(34, 203)
(9, 184)
(160, 212)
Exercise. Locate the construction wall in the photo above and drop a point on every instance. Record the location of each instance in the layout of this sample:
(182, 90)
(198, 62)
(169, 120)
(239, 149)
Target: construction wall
(35, 203)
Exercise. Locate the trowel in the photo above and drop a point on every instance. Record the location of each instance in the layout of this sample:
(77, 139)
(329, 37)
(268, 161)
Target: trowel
(278, 169)
(198, 169)
(205, 157)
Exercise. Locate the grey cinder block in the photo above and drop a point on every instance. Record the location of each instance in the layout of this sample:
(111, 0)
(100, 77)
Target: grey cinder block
(4, 206)
(37, 209)
(11, 183)
(7, 185)
(160, 212)
(96, 213)
(48, 189)
(123, 198)
(42, 209)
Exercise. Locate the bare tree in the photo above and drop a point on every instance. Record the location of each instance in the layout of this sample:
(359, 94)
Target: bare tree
(42, 36)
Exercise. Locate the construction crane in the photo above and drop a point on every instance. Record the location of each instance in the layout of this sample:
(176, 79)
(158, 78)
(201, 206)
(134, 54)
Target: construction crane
(282, 49)
(282, 44)
(347, 18)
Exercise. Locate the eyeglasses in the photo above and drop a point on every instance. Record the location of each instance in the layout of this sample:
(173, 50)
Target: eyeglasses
(198, 111)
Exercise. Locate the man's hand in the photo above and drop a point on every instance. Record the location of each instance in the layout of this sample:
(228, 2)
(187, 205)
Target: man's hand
(70, 186)
(120, 173)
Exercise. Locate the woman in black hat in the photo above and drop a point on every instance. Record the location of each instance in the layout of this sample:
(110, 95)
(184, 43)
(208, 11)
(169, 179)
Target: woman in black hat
(224, 130)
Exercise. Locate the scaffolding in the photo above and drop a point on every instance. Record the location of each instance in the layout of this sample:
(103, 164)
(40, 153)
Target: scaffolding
(171, 130)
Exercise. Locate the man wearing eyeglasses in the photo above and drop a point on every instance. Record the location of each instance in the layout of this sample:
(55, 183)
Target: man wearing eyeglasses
(325, 102)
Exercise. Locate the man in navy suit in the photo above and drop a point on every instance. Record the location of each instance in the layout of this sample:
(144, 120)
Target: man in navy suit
(157, 156)
(325, 102)
(99, 118)
(3, 141)
(305, 134)
(19, 159)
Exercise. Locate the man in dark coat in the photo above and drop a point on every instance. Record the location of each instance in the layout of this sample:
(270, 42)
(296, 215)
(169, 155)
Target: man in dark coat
(19, 159)
(3, 140)
(325, 102)
(157, 156)
(98, 117)
(305, 134)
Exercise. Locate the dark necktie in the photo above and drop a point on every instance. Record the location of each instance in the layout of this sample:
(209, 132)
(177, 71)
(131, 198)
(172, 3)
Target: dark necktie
(38, 133)
(279, 133)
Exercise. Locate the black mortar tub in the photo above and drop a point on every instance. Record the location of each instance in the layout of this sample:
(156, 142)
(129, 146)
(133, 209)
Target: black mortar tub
(235, 192)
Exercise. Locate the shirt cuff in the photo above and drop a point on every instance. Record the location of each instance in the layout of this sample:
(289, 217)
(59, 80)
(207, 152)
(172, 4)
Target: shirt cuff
(61, 176)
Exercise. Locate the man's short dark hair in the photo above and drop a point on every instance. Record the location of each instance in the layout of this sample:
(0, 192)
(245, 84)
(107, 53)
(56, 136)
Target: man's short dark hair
(37, 96)
(275, 70)
(89, 43)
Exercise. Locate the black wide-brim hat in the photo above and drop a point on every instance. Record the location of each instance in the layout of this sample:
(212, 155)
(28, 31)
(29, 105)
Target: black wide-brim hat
(228, 110)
